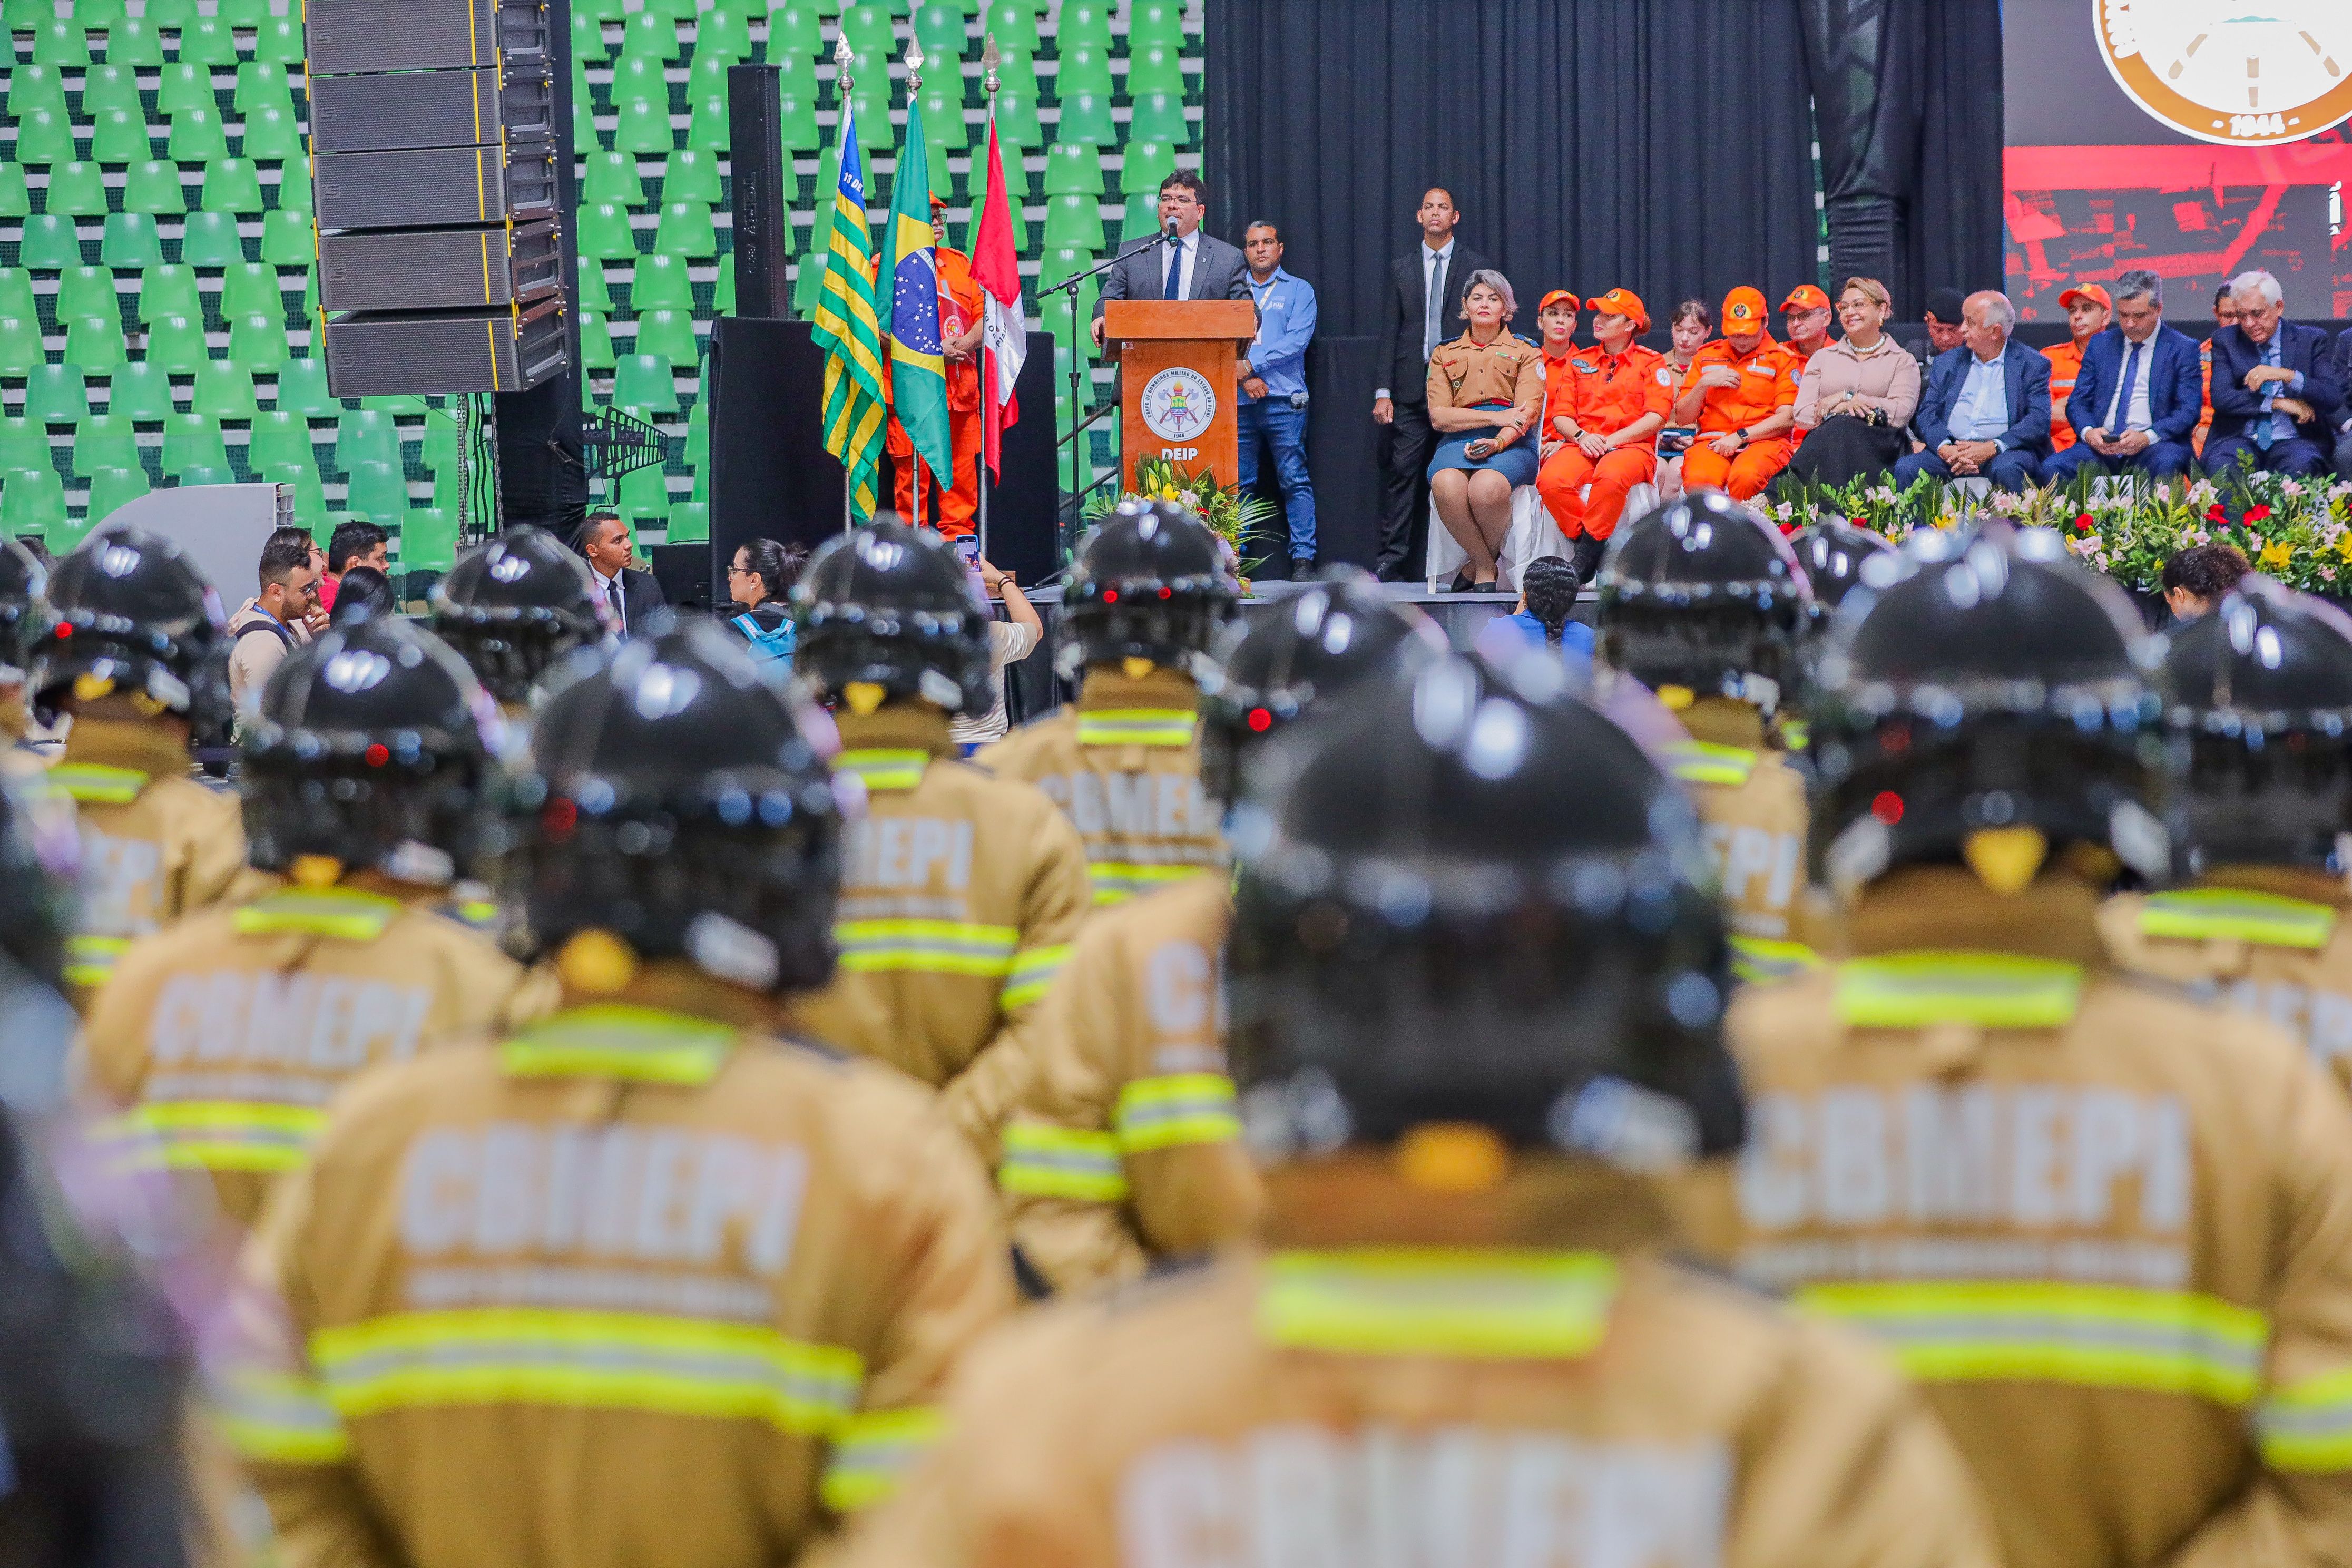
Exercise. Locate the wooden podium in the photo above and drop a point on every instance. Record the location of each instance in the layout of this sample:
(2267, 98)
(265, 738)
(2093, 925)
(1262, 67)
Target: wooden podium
(1176, 363)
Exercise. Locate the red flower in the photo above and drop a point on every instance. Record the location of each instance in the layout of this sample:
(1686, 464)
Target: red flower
(2216, 513)
(2083, 524)
(1787, 529)
(2257, 513)
(1859, 521)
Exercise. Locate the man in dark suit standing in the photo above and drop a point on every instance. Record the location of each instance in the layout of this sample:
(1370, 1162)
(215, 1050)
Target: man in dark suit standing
(2138, 395)
(2274, 388)
(1985, 412)
(1424, 310)
(2343, 409)
(633, 600)
(1193, 266)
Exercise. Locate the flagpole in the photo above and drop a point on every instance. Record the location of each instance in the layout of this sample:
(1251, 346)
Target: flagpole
(843, 58)
(989, 57)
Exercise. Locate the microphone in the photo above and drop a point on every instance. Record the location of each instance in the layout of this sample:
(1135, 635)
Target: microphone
(1169, 235)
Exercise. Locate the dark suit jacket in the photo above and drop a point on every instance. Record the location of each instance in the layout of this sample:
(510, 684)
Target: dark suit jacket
(1402, 370)
(641, 597)
(2176, 392)
(2343, 379)
(2300, 348)
(2025, 374)
(1219, 272)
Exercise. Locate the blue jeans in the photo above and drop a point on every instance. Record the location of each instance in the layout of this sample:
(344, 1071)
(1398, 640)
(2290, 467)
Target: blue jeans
(2011, 471)
(2157, 461)
(1273, 421)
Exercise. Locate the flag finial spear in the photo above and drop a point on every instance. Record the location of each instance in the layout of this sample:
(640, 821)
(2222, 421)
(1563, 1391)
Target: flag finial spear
(989, 59)
(914, 66)
(843, 58)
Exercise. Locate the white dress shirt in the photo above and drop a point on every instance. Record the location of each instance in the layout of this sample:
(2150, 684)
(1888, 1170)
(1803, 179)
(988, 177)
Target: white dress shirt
(2137, 416)
(1981, 413)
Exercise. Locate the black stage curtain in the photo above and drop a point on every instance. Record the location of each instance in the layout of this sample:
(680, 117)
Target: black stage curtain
(1953, 229)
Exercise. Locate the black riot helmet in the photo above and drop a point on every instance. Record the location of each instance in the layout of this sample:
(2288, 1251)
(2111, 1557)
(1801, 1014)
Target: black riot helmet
(2261, 701)
(1995, 693)
(130, 613)
(1150, 583)
(1832, 552)
(369, 748)
(1703, 595)
(891, 607)
(515, 609)
(1295, 656)
(1422, 934)
(24, 610)
(674, 804)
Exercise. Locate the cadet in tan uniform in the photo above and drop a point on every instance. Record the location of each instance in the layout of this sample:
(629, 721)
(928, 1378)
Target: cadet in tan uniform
(367, 779)
(1469, 1023)
(1703, 602)
(2109, 1226)
(647, 1283)
(1145, 595)
(1126, 1147)
(960, 891)
(2262, 698)
(1835, 555)
(136, 656)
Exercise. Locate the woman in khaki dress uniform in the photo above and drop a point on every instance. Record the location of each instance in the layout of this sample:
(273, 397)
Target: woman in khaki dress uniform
(1486, 394)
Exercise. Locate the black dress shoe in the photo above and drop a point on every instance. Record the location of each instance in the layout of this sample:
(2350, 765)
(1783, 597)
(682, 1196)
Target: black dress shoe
(1461, 585)
(1302, 568)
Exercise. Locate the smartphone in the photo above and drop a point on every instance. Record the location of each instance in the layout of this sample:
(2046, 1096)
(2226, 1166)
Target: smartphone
(967, 548)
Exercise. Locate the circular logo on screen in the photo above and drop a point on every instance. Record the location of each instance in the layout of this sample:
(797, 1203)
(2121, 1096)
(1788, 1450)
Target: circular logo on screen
(2242, 73)
(1178, 404)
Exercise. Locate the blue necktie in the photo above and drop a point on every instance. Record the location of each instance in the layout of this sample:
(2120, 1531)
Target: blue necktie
(2123, 398)
(2266, 431)
(1175, 289)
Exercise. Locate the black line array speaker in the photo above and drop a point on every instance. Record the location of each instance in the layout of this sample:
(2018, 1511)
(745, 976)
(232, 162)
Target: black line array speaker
(434, 168)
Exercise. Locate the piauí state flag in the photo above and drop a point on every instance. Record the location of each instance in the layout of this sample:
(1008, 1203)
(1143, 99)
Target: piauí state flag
(843, 326)
(909, 270)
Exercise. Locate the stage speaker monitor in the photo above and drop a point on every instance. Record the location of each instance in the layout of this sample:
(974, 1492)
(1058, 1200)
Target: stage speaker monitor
(377, 354)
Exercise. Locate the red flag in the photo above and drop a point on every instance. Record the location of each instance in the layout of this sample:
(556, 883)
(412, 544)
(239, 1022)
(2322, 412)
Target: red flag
(1004, 342)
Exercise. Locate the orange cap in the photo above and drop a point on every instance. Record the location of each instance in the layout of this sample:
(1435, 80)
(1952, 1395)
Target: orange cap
(1743, 311)
(1555, 297)
(2086, 291)
(1805, 297)
(1623, 302)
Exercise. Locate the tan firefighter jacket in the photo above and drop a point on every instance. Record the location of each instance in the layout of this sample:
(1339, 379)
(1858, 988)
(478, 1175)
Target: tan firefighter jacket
(1752, 803)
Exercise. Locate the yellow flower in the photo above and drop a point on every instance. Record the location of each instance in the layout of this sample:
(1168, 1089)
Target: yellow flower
(2344, 546)
(2275, 556)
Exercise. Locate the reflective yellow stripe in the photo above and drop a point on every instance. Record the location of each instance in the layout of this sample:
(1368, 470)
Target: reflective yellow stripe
(885, 769)
(648, 1045)
(1754, 958)
(2095, 1336)
(1489, 1303)
(345, 913)
(616, 1361)
(1042, 1161)
(2206, 914)
(1180, 1109)
(1135, 727)
(90, 959)
(1033, 971)
(1704, 763)
(1996, 990)
(1795, 734)
(219, 1134)
(932, 947)
(873, 1454)
(279, 1418)
(2307, 1427)
(1116, 881)
(94, 783)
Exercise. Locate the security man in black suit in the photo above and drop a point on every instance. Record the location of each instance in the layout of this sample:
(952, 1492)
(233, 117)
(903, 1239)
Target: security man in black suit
(634, 601)
(1425, 311)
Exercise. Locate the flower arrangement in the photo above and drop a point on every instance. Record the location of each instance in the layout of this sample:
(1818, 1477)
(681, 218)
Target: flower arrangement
(1231, 512)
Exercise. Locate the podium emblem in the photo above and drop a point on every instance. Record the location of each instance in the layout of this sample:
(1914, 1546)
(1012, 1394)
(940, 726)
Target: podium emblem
(1178, 404)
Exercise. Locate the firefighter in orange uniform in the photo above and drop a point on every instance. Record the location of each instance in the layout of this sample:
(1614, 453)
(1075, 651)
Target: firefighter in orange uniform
(2087, 308)
(1605, 406)
(960, 328)
(1741, 393)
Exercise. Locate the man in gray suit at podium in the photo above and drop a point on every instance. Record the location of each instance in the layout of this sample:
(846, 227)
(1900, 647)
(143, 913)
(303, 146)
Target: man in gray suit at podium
(1180, 262)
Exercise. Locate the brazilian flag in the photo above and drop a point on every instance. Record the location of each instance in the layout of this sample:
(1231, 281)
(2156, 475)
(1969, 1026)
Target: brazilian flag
(907, 299)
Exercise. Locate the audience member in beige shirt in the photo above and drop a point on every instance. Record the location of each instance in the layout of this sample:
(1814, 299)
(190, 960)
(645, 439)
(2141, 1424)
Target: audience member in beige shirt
(1856, 394)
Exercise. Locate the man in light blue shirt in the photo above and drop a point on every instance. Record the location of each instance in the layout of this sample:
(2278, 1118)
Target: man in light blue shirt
(1986, 409)
(1273, 410)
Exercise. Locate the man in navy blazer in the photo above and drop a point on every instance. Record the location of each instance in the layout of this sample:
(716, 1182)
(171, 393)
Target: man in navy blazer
(2344, 407)
(2274, 387)
(2137, 397)
(1987, 407)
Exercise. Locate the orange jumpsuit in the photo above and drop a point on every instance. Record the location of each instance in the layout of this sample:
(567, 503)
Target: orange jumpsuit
(1600, 395)
(959, 506)
(2066, 363)
(1767, 382)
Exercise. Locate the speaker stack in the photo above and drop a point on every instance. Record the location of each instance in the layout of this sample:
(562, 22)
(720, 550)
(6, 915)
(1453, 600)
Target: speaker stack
(434, 152)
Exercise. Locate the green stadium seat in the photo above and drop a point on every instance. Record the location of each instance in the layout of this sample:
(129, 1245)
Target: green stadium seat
(44, 135)
(62, 43)
(585, 137)
(1142, 165)
(1073, 168)
(1085, 117)
(661, 284)
(76, 189)
(133, 42)
(259, 343)
(669, 333)
(279, 437)
(224, 389)
(1155, 22)
(252, 288)
(310, 496)
(428, 540)
(288, 238)
(243, 13)
(378, 492)
(1140, 217)
(604, 232)
(595, 342)
(293, 188)
(259, 82)
(365, 436)
(233, 185)
(1083, 22)
(87, 291)
(793, 29)
(303, 389)
(796, 123)
(640, 78)
(692, 175)
(697, 435)
(176, 345)
(110, 86)
(613, 178)
(708, 75)
(644, 383)
(1074, 220)
(1085, 67)
(32, 503)
(940, 29)
(602, 10)
(444, 444)
(1153, 67)
(689, 523)
(943, 127)
(644, 493)
(398, 405)
(645, 128)
(193, 440)
(723, 34)
(131, 242)
(198, 474)
(271, 133)
(595, 293)
(48, 243)
(208, 41)
(110, 488)
(33, 86)
(876, 135)
(651, 34)
(449, 495)
(1016, 120)
(588, 37)
(210, 239)
(794, 73)
(868, 28)
(185, 85)
(1017, 72)
(56, 395)
(153, 187)
(279, 41)
(16, 297)
(104, 441)
(1159, 117)
(197, 136)
(709, 128)
(95, 343)
(722, 296)
(140, 390)
(119, 136)
(23, 444)
(687, 230)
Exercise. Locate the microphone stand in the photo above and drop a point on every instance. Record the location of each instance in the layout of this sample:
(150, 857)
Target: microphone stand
(1069, 289)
